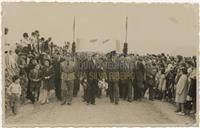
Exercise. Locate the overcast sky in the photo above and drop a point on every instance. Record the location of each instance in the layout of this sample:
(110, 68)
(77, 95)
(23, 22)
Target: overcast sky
(152, 28)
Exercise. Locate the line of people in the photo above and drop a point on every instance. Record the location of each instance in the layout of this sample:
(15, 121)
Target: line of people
(128, 77)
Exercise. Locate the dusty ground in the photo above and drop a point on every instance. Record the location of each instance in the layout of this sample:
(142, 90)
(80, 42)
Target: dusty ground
(137, 113)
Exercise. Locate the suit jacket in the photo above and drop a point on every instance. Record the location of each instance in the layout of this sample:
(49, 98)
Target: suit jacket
(140, 71)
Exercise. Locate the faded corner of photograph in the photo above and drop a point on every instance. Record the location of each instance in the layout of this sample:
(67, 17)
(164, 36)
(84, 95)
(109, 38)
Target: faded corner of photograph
(100, 64)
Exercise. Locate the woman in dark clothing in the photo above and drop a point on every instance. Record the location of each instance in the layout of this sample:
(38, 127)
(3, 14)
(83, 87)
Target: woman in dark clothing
(192, 89)
(48, 80)
(92, 82)
(57, 78)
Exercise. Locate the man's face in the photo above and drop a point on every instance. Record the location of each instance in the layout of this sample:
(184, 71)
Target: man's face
(37, 67)
(46, 63)
(17, 81)
(34, 62)
(25, 37)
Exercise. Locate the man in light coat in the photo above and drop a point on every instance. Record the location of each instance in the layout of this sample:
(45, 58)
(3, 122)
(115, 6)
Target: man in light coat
(67, 79)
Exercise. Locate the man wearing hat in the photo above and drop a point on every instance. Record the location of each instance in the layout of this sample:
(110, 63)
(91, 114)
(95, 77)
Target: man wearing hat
(67, 79)
(113, 78)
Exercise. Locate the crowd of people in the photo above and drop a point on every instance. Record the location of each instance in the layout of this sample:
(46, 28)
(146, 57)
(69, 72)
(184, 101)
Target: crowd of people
(38, 66)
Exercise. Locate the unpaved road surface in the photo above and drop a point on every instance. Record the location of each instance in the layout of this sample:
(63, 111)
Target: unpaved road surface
(137, 113)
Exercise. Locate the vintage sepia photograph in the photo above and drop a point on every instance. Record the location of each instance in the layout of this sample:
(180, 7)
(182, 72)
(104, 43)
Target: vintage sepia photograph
(99, 64)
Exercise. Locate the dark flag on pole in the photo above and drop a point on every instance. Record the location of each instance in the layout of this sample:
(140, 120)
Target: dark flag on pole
(73, 47)
(74, 44)
(6, 31)
(125, 49)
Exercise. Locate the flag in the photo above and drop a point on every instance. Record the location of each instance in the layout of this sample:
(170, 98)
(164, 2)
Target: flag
(73, 47)
(105, 41)
(93, 40)
(125, 48)
(6, 31)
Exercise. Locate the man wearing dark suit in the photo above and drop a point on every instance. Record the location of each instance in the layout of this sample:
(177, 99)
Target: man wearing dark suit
(56, 63)
(113, 78)
(91, 73)
(140, 72)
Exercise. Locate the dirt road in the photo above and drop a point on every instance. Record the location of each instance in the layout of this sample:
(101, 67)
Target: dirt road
(137, 113)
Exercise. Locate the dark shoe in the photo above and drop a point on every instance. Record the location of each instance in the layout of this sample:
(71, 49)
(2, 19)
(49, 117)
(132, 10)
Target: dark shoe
(177, 111)
(93, 103)
(68, 103)
(63, 103)
(116, 103)
(130, 101)
(59, 99)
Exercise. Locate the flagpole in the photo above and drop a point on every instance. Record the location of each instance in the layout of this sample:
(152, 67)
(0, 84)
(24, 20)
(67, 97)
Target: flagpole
(74, 30)
(126, 29)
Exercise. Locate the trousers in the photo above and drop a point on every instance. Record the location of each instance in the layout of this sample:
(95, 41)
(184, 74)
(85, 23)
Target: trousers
(114, 91)
(67, 90)
(91, 92)
(14, 102)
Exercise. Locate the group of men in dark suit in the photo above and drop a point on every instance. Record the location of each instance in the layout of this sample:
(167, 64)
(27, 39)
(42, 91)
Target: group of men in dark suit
(125, 75)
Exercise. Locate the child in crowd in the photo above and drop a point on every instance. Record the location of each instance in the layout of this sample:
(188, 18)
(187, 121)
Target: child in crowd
(35, 77)
(84, 83)
(162, 85)
(181, 92)
(157, 80)
(14, 91)
(103, 85)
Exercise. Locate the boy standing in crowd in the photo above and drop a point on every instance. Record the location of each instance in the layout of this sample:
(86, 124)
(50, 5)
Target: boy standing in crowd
(15, 91)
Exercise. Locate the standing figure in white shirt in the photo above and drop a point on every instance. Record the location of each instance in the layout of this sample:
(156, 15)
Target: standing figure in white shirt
(14, 90)
(25, 41)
